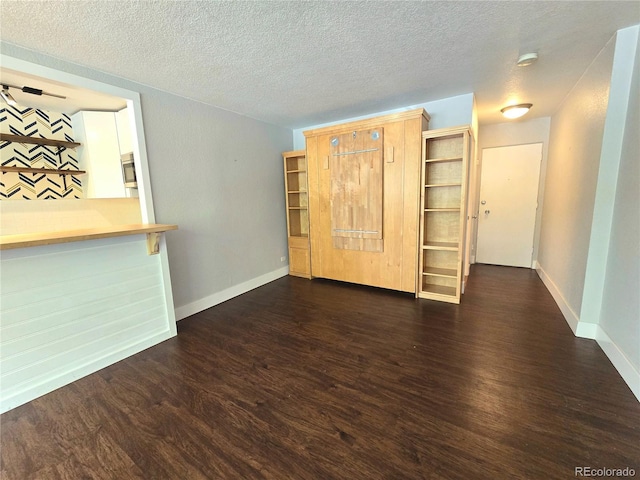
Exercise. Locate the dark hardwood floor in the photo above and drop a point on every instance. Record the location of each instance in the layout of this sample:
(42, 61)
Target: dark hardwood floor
(322, 380)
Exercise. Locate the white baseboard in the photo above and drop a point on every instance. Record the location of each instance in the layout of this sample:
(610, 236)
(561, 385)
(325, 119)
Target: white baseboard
(594, 332)
(586, 330)
(619, 360)
(569, 315)
(207, 302)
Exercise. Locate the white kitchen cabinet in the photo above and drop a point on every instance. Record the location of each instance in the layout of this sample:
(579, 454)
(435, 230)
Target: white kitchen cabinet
(99, 154)
(124, 131)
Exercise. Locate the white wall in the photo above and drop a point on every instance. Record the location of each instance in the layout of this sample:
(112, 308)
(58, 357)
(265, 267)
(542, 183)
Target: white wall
(612, 284)
(596, 285)
(219, 176)
(575, 142)
(520, 132)
(620, 313)
(216, 174)
(447, 112)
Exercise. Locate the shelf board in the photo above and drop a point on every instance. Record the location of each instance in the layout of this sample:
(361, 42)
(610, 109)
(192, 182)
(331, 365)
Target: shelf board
(296, 171)
(6, 137)
(439, 293)
(441, 209)
(444, 159)
(296, 191)
(50, 238)
(432, 185)
(298, 208)
(439, 290)
(41, 170)
(440, 272)
(449, 246)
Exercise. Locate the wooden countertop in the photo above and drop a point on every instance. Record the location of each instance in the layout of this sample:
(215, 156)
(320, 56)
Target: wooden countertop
(49, 238)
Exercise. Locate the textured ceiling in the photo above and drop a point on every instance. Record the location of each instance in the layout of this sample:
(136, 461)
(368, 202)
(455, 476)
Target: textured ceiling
(298, 63)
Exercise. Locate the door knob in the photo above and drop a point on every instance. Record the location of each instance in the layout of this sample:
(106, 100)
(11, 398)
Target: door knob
(487, 212)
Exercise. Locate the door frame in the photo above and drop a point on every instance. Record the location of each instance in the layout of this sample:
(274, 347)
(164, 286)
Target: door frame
(541, 187)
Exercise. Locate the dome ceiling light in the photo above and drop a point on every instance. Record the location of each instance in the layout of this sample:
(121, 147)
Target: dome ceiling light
(516, 111)
(527, 59)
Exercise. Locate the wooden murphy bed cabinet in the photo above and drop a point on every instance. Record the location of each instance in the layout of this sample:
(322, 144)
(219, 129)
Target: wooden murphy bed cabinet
(297, 201)
(363, 200)
(443, 218)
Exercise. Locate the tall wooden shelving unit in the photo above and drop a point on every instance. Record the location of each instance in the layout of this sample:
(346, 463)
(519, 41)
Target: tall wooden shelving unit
(443, 200)
(297, 200)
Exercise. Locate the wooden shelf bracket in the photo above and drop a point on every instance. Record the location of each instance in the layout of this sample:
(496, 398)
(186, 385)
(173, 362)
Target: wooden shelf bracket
(153, 243)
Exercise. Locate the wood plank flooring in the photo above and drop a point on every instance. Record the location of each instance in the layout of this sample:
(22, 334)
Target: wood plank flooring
(323, 380)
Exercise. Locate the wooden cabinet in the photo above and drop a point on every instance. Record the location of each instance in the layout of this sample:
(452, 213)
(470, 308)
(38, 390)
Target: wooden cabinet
(364, 197)
(443, 200)
(297, 201)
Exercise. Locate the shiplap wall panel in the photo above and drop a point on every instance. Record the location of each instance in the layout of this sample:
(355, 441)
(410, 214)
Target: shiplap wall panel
(24, 370)
(61, 326)
(71, 308)
(60, 297)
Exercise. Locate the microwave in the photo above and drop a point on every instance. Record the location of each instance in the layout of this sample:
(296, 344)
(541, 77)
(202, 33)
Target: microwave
(128, 171)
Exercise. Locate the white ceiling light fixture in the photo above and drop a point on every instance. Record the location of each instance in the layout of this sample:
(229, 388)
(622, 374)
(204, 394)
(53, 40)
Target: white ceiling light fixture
(516, 111)
(527, 59)
(6, 96)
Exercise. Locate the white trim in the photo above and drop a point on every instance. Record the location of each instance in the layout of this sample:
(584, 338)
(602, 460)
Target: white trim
(623, 365)
(168, 292)
(610, 156)
(569, 315)
(32, 392)
(212, 300)
(592, 331)
(587, 330)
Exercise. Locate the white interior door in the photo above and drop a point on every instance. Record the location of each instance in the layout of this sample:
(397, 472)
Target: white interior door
(508, 203)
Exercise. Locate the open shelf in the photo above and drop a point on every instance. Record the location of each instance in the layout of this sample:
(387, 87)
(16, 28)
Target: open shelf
(450, 246)
(440, 272)
(296, 181)
(443, 173)
(295, 178)
(442, 223)
(443, 185)
(445, 159)
(439, 290)
(41, 170)
(7, 137)
(297, 199)
(295, 162)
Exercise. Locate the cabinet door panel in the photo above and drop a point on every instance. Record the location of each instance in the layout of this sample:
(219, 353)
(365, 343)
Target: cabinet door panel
(299, 261)
(381, 268)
